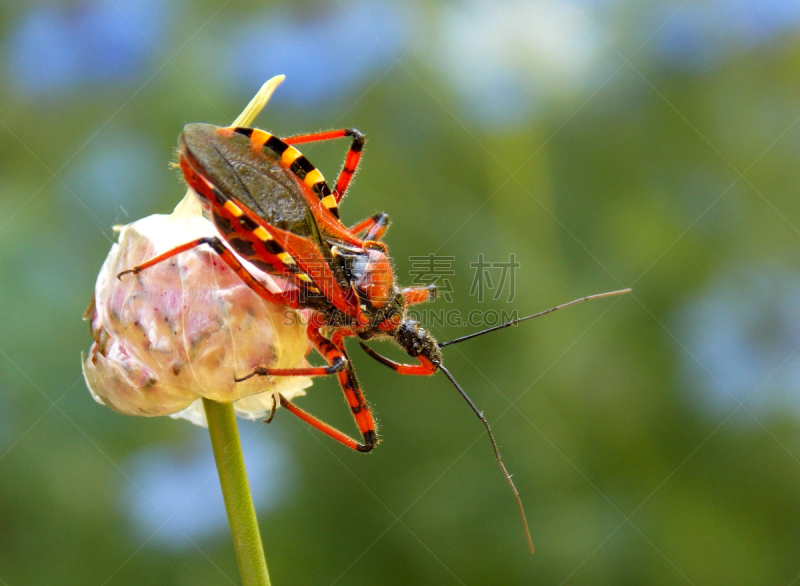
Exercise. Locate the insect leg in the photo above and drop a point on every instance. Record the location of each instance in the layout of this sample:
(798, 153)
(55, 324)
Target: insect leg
(369, 442)
(352, 390)
(414, 295)
(355, 398)
(375, 226)
(424, 367)
(350, 162)
(288, 298)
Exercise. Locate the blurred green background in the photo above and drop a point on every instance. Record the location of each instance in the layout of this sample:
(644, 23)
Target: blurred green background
(655, 438)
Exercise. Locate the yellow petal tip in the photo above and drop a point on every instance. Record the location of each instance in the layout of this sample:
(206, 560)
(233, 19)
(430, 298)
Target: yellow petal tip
(258, 102)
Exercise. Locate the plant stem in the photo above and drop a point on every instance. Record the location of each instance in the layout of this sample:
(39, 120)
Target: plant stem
(236, 492)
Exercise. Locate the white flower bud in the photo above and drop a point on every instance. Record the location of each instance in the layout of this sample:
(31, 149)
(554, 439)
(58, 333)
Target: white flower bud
(187, 327)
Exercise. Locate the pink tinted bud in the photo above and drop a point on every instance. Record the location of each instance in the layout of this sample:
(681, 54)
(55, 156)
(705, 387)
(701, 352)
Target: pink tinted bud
(187, 327)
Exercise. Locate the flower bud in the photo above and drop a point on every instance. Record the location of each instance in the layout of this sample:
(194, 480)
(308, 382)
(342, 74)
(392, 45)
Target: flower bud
(186, 327)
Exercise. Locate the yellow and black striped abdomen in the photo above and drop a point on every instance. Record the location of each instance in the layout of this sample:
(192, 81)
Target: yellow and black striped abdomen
(290, 158)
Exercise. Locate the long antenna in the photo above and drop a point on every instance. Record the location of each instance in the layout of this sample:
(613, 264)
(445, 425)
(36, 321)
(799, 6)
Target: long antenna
(514, 322)
(496, 453)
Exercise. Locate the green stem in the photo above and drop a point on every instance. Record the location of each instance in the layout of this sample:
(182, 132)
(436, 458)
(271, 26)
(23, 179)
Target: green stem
(236, 492)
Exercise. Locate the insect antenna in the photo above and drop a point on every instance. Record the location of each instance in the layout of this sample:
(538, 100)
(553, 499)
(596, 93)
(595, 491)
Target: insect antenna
(514, 322)
(496, 453)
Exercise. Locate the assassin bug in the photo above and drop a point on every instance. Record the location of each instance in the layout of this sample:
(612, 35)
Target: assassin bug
(274, 208)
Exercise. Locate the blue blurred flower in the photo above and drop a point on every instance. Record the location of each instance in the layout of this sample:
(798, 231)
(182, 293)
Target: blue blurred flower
(54, 48)
(323, 55)
(701, 34)
(504, 57)
(742, 328)
(114, 179)
(184, 487)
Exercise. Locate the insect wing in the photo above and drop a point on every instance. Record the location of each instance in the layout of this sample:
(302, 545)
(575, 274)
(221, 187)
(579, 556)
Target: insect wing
(259, 208)
(228, 163)
(309, 185)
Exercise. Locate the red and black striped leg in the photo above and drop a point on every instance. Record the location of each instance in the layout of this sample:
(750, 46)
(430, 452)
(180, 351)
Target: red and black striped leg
(369, 441)
(339, 363)
(424, 367)
(289, 298)
(358, 406)
(375, 227)
(350, 162)
(353, 393)
(414, 295)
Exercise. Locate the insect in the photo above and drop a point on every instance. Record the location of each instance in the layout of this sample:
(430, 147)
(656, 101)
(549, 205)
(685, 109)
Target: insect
(274, 208)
